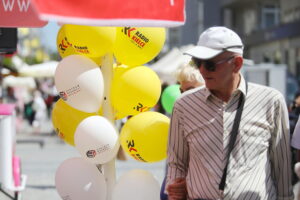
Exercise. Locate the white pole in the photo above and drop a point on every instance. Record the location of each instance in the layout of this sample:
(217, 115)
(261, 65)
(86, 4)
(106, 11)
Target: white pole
(109, 169)
(6, 151)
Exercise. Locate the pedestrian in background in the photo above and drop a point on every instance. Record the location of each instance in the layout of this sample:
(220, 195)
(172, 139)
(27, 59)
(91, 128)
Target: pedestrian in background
(188, 77)
(40, 109)
(294, 111)
(296, 146)
(158, 107)
(255, 163)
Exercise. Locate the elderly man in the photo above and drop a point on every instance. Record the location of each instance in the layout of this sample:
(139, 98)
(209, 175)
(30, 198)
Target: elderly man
(230, 139)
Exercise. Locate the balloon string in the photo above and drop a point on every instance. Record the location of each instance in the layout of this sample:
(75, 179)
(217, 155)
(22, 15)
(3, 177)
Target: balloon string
(99, 166)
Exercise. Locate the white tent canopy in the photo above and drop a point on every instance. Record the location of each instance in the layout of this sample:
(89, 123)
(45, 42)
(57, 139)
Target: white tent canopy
(24, 82)
(167, 65)
(27, 73)
(46, 69)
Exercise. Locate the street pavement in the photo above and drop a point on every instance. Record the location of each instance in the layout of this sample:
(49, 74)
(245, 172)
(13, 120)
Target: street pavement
(42, 153)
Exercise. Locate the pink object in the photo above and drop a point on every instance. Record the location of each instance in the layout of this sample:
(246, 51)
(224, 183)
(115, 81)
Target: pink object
(17, 170)
(19, 13)
(7, 109)
(160, 13)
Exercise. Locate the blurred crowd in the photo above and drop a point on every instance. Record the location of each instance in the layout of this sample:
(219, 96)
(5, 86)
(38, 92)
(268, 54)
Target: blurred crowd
(294, 112)
(33, 105)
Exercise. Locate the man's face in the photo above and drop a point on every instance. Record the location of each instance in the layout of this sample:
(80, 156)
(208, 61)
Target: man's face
(223, 73)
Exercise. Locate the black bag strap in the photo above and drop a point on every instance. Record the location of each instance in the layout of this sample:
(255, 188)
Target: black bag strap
(233, 136)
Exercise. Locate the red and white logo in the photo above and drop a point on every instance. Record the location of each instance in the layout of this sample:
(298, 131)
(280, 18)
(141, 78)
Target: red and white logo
(19, 13)
(91, 153)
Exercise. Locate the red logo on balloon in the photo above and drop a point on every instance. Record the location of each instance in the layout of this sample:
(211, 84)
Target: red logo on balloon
(141, 108)
(64, 44)
(127, 30)
(137, 156)
(91, 153)
(60, 134)
(139, 39)
(63, 95)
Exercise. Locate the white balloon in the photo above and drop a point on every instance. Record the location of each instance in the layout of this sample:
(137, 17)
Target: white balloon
(136, 184)
(79, 82)
(78, 179)
(96, 139)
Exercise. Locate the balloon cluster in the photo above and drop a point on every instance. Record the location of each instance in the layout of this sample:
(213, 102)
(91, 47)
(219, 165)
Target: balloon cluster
(77, 116)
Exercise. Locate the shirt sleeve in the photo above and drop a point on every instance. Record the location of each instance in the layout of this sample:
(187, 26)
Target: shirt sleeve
(296, 136)
(280, 152)
(178, 155)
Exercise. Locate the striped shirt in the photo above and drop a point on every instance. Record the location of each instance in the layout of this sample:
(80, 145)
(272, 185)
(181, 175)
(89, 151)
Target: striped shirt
(259, 166)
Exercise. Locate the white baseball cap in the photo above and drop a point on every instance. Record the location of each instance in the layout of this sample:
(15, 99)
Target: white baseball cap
(214, 41)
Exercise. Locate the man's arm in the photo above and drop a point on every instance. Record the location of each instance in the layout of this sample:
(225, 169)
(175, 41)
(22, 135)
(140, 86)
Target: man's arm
(281, 153)
(177, 190)
(178, 156)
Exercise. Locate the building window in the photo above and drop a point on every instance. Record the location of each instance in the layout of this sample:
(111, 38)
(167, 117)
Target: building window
(270, 16)
(174, 37)
(298, 64)
(200, 21)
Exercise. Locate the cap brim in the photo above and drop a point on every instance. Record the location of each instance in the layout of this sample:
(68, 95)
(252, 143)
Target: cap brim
(203, 52)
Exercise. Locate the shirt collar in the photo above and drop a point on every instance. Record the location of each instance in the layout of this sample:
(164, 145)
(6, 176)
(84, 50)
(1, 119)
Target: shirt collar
(241, 88)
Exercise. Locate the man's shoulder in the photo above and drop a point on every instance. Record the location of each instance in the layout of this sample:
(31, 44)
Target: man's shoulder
(191, 93)
(195, 94)
(271, 93)
(258, 88)
(192, 98)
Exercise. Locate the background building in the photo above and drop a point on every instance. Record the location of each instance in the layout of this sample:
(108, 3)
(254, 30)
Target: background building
(200, 14)
(270, 29)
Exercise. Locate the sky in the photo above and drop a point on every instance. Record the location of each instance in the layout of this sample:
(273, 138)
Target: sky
(48, 35)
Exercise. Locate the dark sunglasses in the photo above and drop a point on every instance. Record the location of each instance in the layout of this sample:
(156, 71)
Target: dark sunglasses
(208, 64)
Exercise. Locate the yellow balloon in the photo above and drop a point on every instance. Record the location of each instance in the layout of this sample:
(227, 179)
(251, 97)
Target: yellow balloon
(118, 70)
(135, 90)
(144, 136)
(65, 120)
(91, 41)
(64, 47)
(136, 46)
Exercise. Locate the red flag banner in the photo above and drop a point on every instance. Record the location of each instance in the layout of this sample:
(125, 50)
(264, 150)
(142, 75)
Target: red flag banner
(19, 13)
(160, 13)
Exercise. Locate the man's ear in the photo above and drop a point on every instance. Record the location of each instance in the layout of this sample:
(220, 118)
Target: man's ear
(238, 63)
